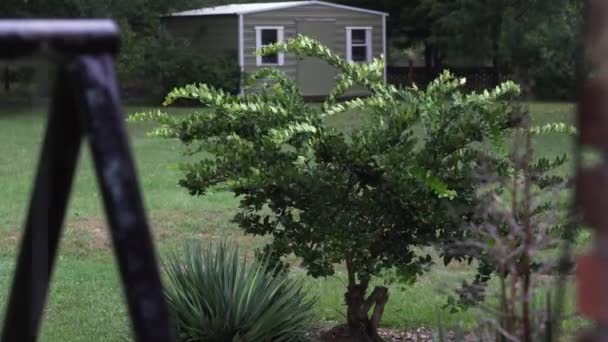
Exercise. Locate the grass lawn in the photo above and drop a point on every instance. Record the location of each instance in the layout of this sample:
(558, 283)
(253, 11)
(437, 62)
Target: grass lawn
(86, 303)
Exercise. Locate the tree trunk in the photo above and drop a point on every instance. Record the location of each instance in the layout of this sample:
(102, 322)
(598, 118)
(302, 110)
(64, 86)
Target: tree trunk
(433, 61)
(410, 72)
(437, 62)
(360, 326)
(496, 33)
(428, 61)
(495, 71)
(7, 80)
(528, 237)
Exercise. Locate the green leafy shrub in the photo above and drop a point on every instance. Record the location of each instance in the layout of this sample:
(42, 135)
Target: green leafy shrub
(216, 296)
(178, 64)
(366, 199)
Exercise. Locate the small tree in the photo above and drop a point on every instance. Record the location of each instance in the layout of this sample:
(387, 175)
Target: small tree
(363, 199)
(524, 217)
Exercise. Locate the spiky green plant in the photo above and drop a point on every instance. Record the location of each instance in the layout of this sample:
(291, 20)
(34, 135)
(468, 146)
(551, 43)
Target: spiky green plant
(216, 295)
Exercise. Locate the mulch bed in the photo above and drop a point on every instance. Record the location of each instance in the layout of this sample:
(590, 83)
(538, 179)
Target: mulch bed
(399, 335)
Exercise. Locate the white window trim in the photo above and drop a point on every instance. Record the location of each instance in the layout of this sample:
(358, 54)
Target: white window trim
(368, 42)
(258, 44)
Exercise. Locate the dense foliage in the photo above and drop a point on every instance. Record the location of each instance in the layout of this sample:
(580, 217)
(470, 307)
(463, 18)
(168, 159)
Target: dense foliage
(367, 198)
(553, 54)
(215, 295)
(159, 64)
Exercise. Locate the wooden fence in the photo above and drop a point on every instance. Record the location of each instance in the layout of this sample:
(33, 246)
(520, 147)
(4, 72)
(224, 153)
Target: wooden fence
(477, 78)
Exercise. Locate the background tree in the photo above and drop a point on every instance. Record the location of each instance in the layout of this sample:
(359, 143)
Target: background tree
(535, 42)
(515, 37)
(364, 199)
(546, 55)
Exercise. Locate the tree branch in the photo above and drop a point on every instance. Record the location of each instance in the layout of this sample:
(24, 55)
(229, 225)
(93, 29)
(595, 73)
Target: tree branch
(373, 298)
(381, 298)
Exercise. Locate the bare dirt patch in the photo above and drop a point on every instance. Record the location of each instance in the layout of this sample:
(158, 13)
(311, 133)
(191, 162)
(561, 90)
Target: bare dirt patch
(10, 237)
(87, 234)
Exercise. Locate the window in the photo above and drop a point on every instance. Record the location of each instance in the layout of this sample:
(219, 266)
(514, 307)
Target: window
(359, 44)
(265, 36)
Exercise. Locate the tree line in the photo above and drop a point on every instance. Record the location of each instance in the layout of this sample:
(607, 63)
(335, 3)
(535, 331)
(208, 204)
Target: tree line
(535, 42)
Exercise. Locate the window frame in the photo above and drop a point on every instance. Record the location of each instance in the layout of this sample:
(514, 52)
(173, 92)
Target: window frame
(258, 44)
(368, 43)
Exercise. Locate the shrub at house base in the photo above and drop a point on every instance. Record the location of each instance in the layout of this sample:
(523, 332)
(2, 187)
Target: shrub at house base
(365, 199)
(152, 66)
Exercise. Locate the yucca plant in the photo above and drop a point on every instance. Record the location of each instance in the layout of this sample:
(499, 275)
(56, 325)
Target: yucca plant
(216, 295)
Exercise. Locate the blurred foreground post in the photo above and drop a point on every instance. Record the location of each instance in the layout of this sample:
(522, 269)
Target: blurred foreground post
(592, 172)
(85, 104)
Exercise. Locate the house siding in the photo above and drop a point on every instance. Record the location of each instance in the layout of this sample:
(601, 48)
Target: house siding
(209, 35)
(288, 19)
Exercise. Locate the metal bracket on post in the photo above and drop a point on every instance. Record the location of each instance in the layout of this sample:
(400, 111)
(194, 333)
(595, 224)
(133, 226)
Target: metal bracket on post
(85, 104)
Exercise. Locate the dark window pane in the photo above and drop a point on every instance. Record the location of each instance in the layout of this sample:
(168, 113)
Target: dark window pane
(358, 37)
(270, 59)
(269, 37)
(359, 53)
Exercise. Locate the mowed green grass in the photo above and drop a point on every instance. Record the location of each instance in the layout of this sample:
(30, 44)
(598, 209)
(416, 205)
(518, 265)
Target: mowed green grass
(86, 302)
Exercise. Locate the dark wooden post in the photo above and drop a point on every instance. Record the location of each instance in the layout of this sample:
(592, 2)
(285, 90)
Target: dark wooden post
(592, 181)
(86, 103)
